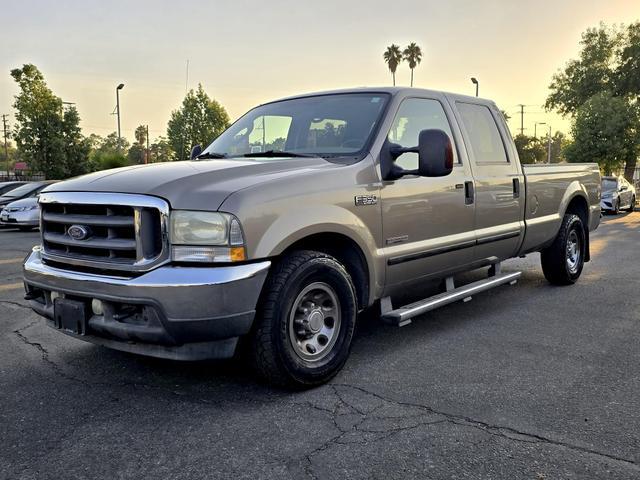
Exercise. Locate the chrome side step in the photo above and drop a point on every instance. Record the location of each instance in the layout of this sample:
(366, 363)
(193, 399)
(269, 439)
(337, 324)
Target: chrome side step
(402, 316)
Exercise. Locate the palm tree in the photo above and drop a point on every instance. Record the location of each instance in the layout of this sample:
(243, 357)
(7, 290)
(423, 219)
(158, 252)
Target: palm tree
(392, 57)
(413, 55)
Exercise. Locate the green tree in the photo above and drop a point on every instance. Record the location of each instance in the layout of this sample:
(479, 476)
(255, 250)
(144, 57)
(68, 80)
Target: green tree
(605, 130)
(111, 143)
(39, 123)
(135, 154)
(47, 135)
(559, 142)
(13, 156)
(198, 121)
(392, 57)
(413, 56)
(161, 151)
(141, 134)
(75, 146)
(608, 66)
(530, 149)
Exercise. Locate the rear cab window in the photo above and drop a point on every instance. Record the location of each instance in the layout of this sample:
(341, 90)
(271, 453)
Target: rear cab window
(487, 145)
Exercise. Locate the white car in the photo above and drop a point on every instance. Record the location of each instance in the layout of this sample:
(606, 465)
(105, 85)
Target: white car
(23, 214)
(617, 194)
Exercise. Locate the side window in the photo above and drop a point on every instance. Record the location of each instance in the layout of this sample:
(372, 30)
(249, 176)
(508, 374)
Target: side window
(415, 115)
(486, 142)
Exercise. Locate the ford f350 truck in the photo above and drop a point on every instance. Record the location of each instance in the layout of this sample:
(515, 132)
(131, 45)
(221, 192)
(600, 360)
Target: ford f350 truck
(303, 213)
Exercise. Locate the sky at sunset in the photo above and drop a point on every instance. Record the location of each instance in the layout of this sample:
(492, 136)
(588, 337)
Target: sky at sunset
(247, 52)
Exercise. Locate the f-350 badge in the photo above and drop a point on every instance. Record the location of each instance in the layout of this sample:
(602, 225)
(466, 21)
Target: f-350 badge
(362, 200)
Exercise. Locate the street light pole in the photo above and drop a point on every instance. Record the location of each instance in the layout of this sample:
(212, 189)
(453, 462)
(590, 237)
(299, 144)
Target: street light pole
(535, 128)
(474, 80)
(118, 88)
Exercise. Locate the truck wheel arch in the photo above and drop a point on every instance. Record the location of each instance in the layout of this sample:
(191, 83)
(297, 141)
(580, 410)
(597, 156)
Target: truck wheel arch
(347, 252)
(579, 206)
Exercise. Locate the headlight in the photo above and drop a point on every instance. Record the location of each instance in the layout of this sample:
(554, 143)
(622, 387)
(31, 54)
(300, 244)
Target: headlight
(206, 237)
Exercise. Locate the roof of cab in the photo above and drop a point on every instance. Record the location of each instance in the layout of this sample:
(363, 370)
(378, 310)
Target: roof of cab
(388, 90)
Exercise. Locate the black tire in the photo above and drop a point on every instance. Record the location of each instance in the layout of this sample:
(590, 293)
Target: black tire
(616, 207)
(632, 207)
(26, 229)
(558, 263)
(274, 355)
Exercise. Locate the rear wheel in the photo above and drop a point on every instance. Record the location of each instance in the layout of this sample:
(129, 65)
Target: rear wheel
(563, 260)
(306, 321)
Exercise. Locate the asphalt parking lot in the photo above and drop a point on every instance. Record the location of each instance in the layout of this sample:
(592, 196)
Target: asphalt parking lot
(530, 381)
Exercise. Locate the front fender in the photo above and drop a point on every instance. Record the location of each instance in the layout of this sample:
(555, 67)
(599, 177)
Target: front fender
(299, 223)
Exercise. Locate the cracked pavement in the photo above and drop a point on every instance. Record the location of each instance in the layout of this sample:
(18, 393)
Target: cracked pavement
(531, 381)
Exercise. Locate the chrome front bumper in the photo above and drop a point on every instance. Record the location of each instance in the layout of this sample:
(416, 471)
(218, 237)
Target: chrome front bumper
(184, 313)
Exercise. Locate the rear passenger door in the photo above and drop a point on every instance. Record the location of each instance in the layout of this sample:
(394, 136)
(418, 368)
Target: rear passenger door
(499, 181)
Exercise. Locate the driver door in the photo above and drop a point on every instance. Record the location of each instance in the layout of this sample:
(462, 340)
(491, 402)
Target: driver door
(428, 222)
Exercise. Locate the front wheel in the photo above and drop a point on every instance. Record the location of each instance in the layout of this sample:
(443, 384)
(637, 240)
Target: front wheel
(305, 321)
(563, 260)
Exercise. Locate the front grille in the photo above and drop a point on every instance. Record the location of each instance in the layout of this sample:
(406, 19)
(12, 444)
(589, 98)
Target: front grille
(117, 231)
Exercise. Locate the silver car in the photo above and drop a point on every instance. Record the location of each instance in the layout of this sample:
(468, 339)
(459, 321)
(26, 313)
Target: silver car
(617, 194)
(22, 214)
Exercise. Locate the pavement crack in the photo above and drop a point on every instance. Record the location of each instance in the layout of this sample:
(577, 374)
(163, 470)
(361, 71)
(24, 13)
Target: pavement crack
(496, 430)
(15, 304)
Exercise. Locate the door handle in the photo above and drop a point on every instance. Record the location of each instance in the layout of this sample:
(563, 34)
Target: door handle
(516, 188)
(469, 193)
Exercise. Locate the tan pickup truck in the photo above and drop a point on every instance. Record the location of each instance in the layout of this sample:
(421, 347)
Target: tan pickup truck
(306, 211)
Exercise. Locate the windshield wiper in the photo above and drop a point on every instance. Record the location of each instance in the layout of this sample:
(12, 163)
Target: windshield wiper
(277, 153)
(211, 155)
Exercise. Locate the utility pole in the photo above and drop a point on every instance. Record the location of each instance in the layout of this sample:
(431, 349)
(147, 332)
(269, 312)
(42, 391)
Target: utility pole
(521, 119)
(6, 147)
(146, 158)
(549, 146)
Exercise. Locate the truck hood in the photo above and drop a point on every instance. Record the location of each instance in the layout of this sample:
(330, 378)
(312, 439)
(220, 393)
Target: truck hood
(194, 185)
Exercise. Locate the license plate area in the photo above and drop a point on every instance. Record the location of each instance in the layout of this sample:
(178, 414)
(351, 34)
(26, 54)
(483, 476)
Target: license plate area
(70, 315)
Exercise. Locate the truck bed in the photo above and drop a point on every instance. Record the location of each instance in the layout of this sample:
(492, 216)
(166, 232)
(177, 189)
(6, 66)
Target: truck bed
(548, 191)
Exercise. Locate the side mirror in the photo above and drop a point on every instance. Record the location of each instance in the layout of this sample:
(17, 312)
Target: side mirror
(435, 154)
(195, 152)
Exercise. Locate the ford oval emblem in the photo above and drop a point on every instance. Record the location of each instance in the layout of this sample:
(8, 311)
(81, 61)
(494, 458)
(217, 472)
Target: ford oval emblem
(79, 232)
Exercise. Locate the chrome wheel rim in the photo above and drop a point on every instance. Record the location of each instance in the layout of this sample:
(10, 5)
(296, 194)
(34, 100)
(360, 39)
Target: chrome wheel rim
(573, 251)
(314, 322)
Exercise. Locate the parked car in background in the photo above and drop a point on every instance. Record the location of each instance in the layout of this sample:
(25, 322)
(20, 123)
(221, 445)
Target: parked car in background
(6, 186)
(617, 194)
(22, 214)
(27, 190)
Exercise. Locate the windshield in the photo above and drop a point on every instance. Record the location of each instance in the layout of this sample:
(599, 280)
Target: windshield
(609, 185)
(21, 191)
(325, 125)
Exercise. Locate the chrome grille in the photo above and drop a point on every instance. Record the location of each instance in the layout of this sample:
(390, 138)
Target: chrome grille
(118, 231)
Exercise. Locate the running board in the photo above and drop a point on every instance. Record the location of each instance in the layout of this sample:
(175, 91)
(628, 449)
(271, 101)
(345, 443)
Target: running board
(402, 316)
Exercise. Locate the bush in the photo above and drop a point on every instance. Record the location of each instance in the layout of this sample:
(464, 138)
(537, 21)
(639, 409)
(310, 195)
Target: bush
(107, 160)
